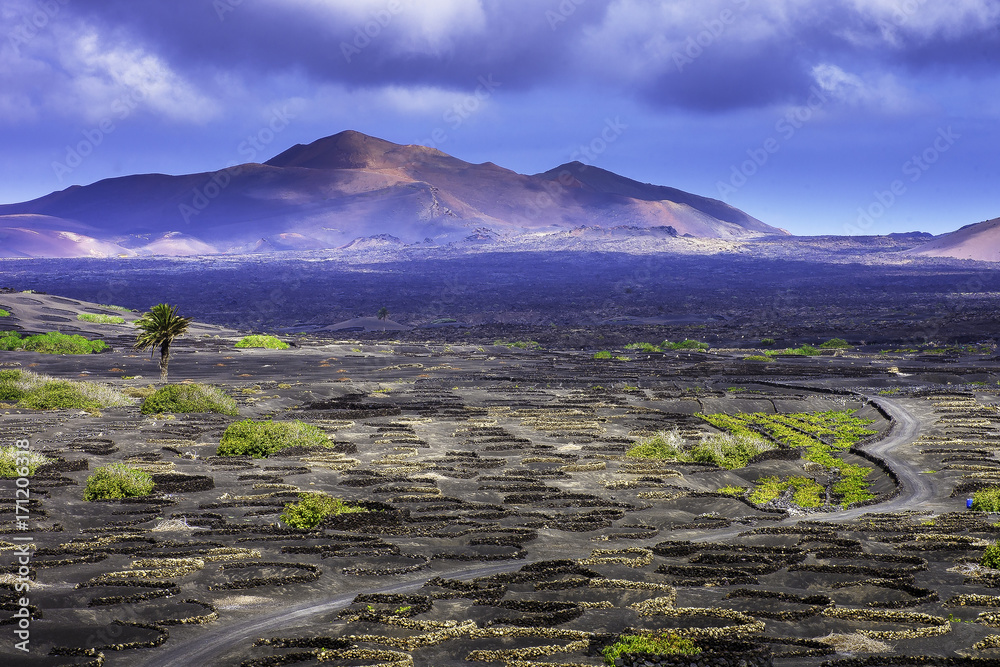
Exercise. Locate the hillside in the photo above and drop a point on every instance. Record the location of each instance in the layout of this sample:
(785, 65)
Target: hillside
(335, 190)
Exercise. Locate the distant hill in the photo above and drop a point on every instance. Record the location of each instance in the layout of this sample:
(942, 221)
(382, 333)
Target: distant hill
(346, 187)
(980, 241)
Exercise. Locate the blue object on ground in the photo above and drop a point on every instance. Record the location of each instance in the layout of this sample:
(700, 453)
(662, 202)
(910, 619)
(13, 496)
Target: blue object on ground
(968, 503)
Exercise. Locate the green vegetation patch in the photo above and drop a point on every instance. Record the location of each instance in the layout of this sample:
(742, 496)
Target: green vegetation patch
(806, 492)
(312, 508)
(757, 357)
(686, 344)
(834, 344)
(263, 438)
(4, 313)
(101, 319)
(117, 481)
(667, 643)
(51, 343)
(729, 450)
(987, 500)
(603, 354)
(267, 342)
(16, 462)
(42, 392)
(662, 446)
(180, 398)
(820, 434)
(991, 557)
(644, 347)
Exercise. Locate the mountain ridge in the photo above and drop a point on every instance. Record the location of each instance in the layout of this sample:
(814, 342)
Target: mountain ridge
(327, 193)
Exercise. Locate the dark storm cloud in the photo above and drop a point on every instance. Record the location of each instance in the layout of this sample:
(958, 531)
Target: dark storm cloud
(740, 53)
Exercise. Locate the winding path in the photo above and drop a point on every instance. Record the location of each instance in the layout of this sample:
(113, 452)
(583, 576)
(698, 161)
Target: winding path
(917, 490)
(206, 648)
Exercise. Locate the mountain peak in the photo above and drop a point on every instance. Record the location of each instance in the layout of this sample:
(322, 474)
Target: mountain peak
(351, 149)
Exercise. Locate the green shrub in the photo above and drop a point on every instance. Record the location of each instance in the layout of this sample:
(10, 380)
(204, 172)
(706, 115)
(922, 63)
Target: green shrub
(121, 308)
(42, 392)
(757, 357)
(10, 390)
(834, 343)
(766, 342)
(59, 394)
(4, 313)
(178, 398)
(101, 319)
(261, 439)
(806, 492)
(667, 643)
(663, 445)
(10, 466)
(804, 351)
(312, 508)
(117, 481)
(603, 354)
(267, 342)
(991, 557)
(644, 347)
(686, 344)
(51, 343)
(987, 500)
(729, 450)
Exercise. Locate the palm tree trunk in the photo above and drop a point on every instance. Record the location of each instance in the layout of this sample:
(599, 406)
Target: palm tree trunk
(164, 360)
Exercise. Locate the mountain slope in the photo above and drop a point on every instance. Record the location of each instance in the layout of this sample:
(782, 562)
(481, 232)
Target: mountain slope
(979, 241)
(347, 186)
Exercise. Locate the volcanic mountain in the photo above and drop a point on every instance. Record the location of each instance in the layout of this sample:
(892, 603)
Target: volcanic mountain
(979, 241)
(345, 187)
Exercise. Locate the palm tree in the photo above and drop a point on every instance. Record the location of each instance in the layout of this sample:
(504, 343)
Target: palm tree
(160, 326)
(383, 313)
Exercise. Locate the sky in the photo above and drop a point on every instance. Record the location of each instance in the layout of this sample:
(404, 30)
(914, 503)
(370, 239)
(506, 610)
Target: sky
(833, 117)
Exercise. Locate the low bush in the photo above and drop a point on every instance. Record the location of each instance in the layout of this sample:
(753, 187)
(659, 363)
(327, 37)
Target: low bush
(180, 398)
(101, 319)
(117, 481)
(603, 354)
(728, 450)
(686, 344)
(987, 500)
(663, 445)
(266, 342)
(4, 313)
(261, 439)
(312, 508)
(667, 643)
(14, 461)
(51, 343)
(834, 343)
(643, 347)
(757, 357)
(42, 392)
(59, 394)
(766, 342)
(991, 557)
